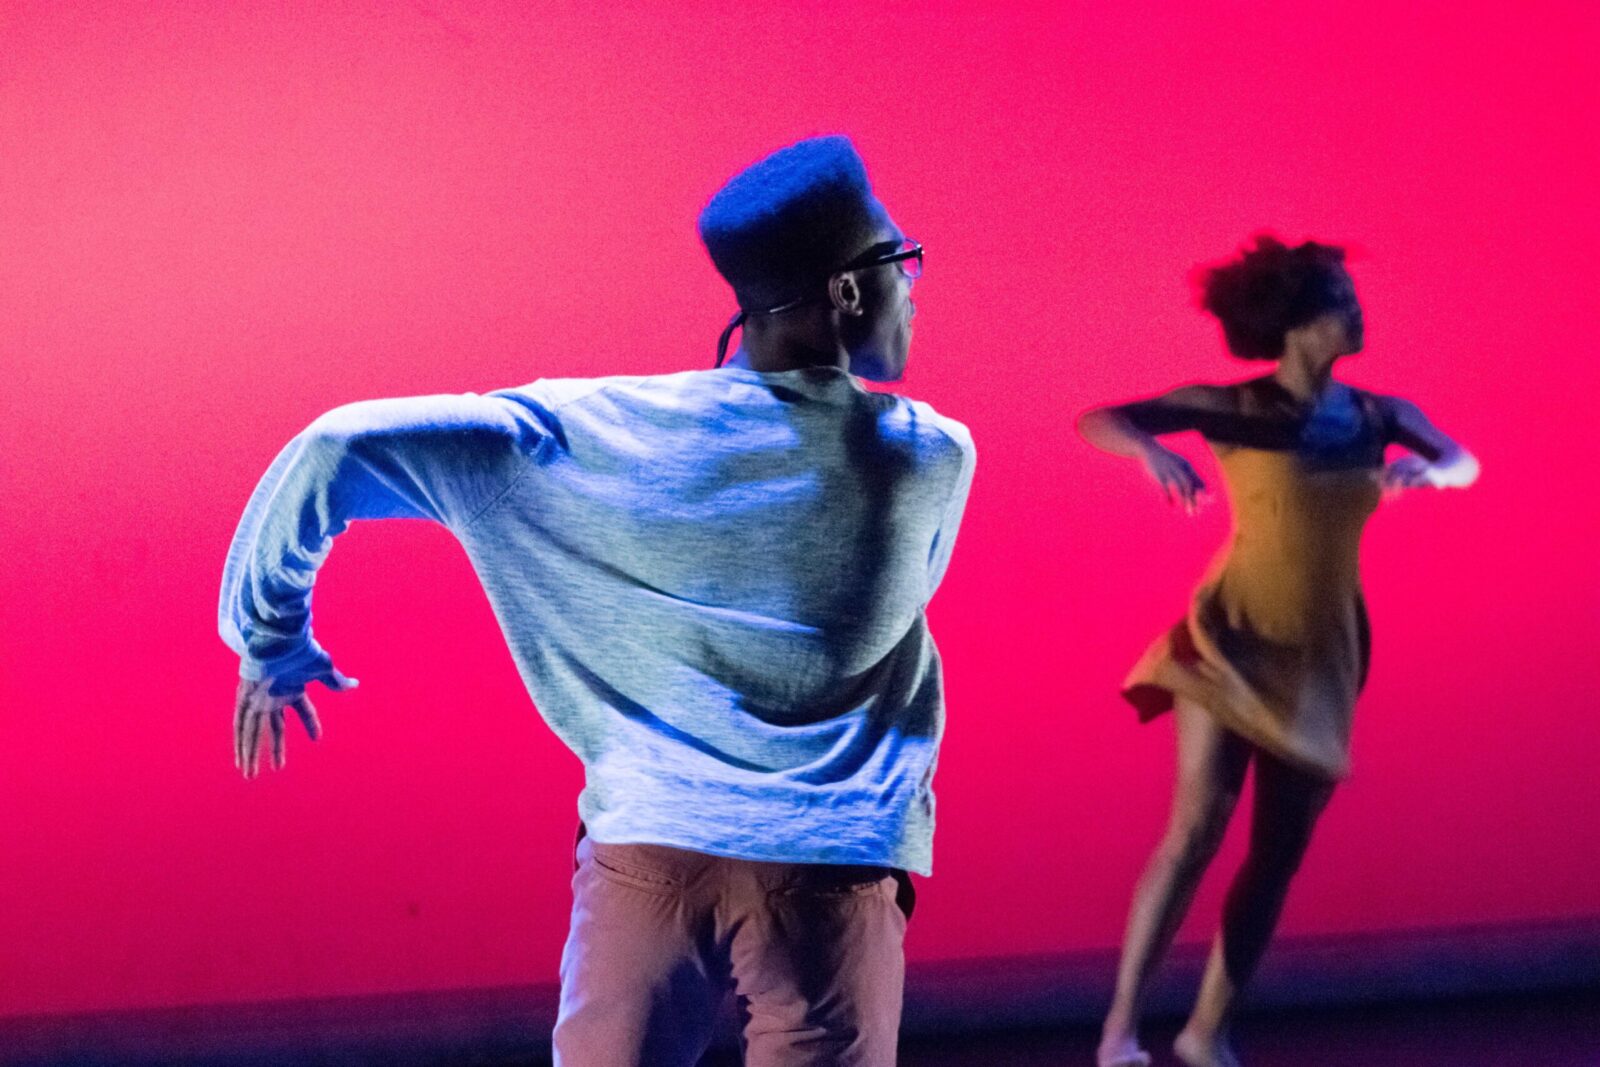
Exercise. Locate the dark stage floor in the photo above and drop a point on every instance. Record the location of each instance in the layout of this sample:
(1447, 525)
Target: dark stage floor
(1551, 1031)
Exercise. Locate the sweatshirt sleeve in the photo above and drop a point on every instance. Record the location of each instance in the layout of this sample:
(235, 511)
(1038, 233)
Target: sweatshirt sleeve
(445, 458)
(944, 541)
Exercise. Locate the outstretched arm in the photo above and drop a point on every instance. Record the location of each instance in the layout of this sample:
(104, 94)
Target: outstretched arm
(1132, 429)
(444, 458)
(1436, 459)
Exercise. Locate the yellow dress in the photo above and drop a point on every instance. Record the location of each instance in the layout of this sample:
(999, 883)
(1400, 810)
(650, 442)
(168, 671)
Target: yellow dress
(1276, 643)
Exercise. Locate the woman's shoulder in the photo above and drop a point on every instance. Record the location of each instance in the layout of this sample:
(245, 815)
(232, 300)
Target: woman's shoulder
(1247, 396)
(1221, 398)
(1384, 411)
(1385, 401)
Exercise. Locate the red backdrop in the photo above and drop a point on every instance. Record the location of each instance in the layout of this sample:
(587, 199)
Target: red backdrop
(217, 221)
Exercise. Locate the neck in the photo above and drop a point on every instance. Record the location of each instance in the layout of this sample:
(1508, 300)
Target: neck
(1301, 378)
(771, 346)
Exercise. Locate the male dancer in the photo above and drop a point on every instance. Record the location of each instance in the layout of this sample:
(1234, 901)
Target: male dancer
(713, 584)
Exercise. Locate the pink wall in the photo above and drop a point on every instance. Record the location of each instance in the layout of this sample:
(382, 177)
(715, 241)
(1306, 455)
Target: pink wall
(220, 220)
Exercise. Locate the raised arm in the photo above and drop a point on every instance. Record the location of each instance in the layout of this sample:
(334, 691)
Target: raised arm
(1436, 459)
(1132, 429)
(444, 458)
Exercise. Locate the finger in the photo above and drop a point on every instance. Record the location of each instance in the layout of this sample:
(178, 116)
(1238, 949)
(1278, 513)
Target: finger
(250, 738)
(339, 682)
(239, 704)
(308, 717)
(244, 743)
(266, 741)
(258, 744)
(252, 742)
(247, 741)
(275, 721)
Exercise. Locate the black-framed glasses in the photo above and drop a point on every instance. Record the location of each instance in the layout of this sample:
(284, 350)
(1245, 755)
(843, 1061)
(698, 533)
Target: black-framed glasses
(906, 256)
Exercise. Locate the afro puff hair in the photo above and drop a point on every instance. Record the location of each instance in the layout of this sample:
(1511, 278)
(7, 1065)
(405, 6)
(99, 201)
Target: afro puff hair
(787, 221)
(1270, 289)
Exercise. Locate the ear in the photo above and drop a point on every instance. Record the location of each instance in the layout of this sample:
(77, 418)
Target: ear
(845, 294)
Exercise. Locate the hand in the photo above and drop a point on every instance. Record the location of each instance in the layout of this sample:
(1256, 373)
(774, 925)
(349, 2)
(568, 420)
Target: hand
(255, 706)
(1407, 472)
(1176, 477)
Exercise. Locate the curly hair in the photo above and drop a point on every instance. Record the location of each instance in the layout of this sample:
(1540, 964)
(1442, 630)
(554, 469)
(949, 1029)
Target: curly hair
(1270, 289)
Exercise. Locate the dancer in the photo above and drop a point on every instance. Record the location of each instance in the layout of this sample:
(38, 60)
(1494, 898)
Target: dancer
(1267, 665)
(713, 584)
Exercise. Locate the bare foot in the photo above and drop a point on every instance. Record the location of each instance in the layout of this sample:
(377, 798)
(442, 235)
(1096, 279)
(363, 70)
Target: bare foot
(1121, 1052)
(1197, 1051)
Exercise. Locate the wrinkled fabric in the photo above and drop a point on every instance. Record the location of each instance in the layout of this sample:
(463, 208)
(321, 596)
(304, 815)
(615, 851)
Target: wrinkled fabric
(713, 584)
(813, 953)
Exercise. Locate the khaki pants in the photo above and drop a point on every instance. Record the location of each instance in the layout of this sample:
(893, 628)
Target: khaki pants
(812, 952)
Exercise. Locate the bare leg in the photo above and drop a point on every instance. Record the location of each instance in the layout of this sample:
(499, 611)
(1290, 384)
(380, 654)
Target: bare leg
(1211, 769)
(1287, 805)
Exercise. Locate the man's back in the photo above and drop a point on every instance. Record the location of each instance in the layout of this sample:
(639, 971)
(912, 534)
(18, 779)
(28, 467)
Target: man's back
(718, 578)
(712, 582)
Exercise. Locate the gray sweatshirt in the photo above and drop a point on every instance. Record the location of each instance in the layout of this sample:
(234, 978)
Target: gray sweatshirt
(713, 584)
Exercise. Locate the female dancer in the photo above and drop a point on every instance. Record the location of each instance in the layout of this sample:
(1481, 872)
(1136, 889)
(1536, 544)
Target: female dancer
(1267, 665)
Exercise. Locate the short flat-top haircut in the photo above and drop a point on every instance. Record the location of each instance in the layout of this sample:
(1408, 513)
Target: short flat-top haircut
(1270, 289)
(779, 227)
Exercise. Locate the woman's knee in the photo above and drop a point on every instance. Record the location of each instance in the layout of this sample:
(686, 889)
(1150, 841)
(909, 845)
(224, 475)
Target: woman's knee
(1282, 829)
(1271, 867)
(1279, 847)
(1196, 831)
